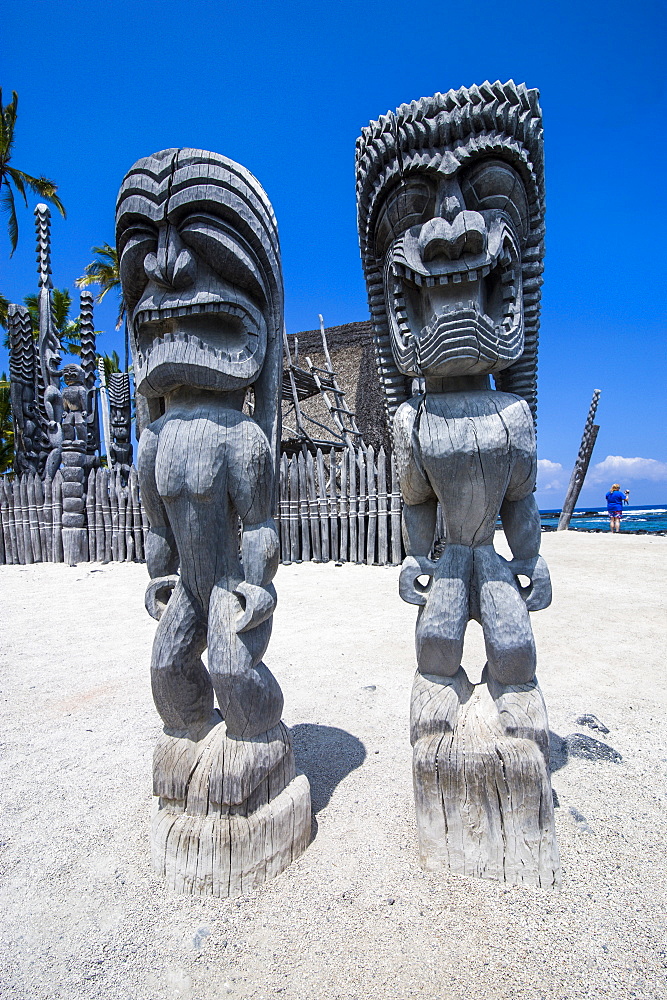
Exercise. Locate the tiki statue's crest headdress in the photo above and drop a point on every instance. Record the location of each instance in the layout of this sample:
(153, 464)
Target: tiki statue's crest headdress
(450, 199)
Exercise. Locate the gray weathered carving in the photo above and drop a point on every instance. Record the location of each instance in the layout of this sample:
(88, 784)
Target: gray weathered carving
(89, 368)
(23, 374)
(451, 220)
(48, 381)
(200, 268)
(581, 464)
(118, 386)
(76, 420)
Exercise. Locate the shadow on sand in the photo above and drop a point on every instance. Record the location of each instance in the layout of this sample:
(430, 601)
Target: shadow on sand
(326, 755)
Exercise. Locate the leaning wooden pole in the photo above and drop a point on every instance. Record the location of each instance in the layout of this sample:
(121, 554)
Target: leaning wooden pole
(581, 465)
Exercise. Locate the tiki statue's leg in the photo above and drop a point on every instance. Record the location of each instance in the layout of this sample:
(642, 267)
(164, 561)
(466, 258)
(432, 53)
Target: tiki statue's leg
(248, 694)
(181, 685)
(508, 636)
(442, 621)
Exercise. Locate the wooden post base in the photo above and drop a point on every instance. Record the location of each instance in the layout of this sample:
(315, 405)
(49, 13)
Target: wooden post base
(482, 786)
(75, 545)
(229, 814)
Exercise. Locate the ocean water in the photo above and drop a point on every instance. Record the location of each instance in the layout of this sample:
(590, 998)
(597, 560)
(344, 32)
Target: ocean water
(642, 520)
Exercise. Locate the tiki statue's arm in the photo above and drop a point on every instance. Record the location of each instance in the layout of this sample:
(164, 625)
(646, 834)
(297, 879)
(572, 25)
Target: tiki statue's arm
(521, 522)
(161, 550)
(419, 509)
(251, 494)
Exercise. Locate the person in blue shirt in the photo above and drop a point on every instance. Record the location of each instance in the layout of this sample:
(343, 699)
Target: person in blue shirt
(615, 500)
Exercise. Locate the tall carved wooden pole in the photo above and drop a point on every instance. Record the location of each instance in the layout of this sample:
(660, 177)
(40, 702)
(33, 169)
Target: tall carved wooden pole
(48, 382)
(200, 265)
(23, 377)
(120, 423)
(580, 469)
(450, 196)
(89, 367)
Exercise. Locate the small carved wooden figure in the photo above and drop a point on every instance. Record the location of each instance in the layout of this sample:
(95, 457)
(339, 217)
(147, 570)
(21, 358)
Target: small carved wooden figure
(200, 268)
(75, 404)
(451, 221)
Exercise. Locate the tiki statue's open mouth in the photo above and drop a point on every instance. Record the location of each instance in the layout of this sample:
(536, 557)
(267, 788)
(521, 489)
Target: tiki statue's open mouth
(454, 296)
(216, 341)
(191, 325)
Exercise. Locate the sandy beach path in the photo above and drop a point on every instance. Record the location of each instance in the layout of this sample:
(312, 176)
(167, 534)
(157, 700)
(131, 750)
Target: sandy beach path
(82, 915)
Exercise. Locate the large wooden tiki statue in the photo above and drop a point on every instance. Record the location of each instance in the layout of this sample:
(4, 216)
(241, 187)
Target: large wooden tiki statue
(450, 196)
(200, 269)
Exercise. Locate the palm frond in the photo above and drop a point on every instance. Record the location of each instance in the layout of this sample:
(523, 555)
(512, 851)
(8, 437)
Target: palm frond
(38, 185)
(9, 207)
(111, 362)
(7, 122)
(105, 272)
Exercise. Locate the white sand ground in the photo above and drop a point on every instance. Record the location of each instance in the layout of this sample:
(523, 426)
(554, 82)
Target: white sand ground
(82, 915)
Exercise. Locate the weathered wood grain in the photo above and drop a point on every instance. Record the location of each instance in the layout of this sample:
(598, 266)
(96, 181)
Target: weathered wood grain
(371, 487)
(48, 517)
(41, 518)
(57, 508)
(344, 508)
(136, 515)
(354, 502)
(322, 506)
(465, 455)
(294, 510)
(284, 511)
(362, 507)
(382, 507)
(313, 512)
(303, 509)
(230, 809)
(333, 507)
(583, 460)
(482, 795)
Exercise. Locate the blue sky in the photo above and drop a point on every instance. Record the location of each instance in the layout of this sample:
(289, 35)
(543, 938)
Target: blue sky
(284, 88)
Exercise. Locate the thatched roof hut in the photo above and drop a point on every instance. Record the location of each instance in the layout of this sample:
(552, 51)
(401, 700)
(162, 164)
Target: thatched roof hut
(353, 360)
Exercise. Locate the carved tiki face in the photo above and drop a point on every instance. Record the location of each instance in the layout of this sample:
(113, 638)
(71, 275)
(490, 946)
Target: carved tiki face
(200, 271)
(450, 199)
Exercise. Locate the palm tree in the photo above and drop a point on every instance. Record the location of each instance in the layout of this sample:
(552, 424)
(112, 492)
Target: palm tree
(105, 272)
(69, 331)
(18, 178)
(111, 363)
(6, 427)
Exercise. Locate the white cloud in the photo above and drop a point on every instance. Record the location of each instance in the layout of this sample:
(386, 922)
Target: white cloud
(550, 475)
(616, 468)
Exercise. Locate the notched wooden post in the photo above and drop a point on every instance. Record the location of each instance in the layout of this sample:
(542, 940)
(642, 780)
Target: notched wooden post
(451, 227)
(203, 287)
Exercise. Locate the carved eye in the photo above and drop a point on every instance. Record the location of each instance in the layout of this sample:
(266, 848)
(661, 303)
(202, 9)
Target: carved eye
(405, 206)
(494, 184)
(137, 243)
(223, 250)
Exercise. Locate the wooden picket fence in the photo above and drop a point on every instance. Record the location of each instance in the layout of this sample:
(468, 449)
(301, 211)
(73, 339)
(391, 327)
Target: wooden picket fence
(344, 507)
(31, 512)
(340, 507)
